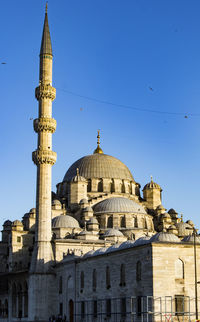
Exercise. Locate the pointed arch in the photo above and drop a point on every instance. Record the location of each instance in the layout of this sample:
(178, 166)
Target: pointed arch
(14, 300)
(122, 275)
(179, 269)
(94, 280)
(25, 299)
(107, 277)
(138, 271)
(110, 222)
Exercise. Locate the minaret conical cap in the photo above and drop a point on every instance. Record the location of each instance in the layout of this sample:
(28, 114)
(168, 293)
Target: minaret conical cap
(46, 47)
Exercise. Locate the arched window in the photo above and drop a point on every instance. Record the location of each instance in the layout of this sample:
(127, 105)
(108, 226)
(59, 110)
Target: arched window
(19, 297)
(138, 271)
(25, 299)
(112, 186)
(94, 280)
(14, 301)
(60, 285)
(89, 185)
(82, 281)
(122, 222)
(6, 308)
(108, 308)
(123, 307)
(110, 222)
(179, 269)
(100, 186)
(70, 283)
(107, 277)
(122, 275)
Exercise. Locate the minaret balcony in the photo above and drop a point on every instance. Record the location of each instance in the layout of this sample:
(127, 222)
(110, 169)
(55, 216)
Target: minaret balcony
(45, 91)
(44, 124)
(44, 157)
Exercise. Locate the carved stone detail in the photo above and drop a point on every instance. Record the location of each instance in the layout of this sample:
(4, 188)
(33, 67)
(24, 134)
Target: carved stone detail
(44, 124)
(45, 91)
(44, 156)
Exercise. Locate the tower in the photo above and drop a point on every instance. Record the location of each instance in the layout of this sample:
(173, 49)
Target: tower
(40, 270)
(152, 194)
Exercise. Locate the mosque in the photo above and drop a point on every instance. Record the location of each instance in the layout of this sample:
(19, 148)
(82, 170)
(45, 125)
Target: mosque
(100, 248)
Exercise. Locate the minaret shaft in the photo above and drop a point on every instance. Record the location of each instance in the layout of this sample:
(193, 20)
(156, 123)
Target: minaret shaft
(44, 157)
(42, 279)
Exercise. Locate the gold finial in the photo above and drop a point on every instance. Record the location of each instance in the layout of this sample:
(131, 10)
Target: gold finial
(151, 178)
(181, 217)
(98, 138)
(77, 172)
(46, 8)
(98, 149)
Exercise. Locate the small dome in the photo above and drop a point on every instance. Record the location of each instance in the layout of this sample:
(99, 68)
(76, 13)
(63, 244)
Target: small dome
(56, 202)
(64, 221)
(113, 232)
(172, 227)
(100, 251)
(164, 237)
(172, 211)
(90, 253)
(84, 232)
(166, 215)
(88, 209)
(83, 201)
(183, 228)
(17, 223)
(78, 179)
(152, 185)
(93, 220)
(32, 210)
(113, 248)
(142, 240)
(118, 205)
(190, 222)
(7, 223)
(127, 244)
(190, 239)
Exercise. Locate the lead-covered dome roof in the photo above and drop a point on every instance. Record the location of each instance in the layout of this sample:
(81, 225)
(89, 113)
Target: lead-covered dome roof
(64, 221)
(99, 166)
(118, 205)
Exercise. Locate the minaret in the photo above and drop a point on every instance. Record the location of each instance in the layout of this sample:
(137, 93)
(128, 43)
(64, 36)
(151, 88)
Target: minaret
(41, 279)
(44, 157)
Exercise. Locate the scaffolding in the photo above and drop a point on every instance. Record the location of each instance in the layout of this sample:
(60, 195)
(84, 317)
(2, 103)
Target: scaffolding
(136, 309)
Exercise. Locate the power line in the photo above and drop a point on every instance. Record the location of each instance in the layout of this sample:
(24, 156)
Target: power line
(128, 106)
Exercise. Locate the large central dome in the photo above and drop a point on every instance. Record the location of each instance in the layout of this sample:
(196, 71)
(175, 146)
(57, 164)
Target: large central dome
(99, 165)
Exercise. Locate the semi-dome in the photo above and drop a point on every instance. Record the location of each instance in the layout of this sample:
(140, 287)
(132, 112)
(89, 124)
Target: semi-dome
(183, 228)
(118, 205)
(99, 165)
(113, 232)
(142, 241)
(165, 237)
(64, 221)
(190, 239)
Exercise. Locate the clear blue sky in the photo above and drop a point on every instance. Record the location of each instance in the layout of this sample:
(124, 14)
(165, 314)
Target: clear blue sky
(145, 54)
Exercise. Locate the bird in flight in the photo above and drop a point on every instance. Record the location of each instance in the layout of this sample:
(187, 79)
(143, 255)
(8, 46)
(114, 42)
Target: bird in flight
(150, 88)
(3, 63)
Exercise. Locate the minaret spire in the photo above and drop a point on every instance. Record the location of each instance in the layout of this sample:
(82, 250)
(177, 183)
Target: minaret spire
(43, 158)
(46, 47)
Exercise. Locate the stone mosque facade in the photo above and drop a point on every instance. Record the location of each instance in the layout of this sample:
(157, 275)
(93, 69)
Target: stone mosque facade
(99, 248)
